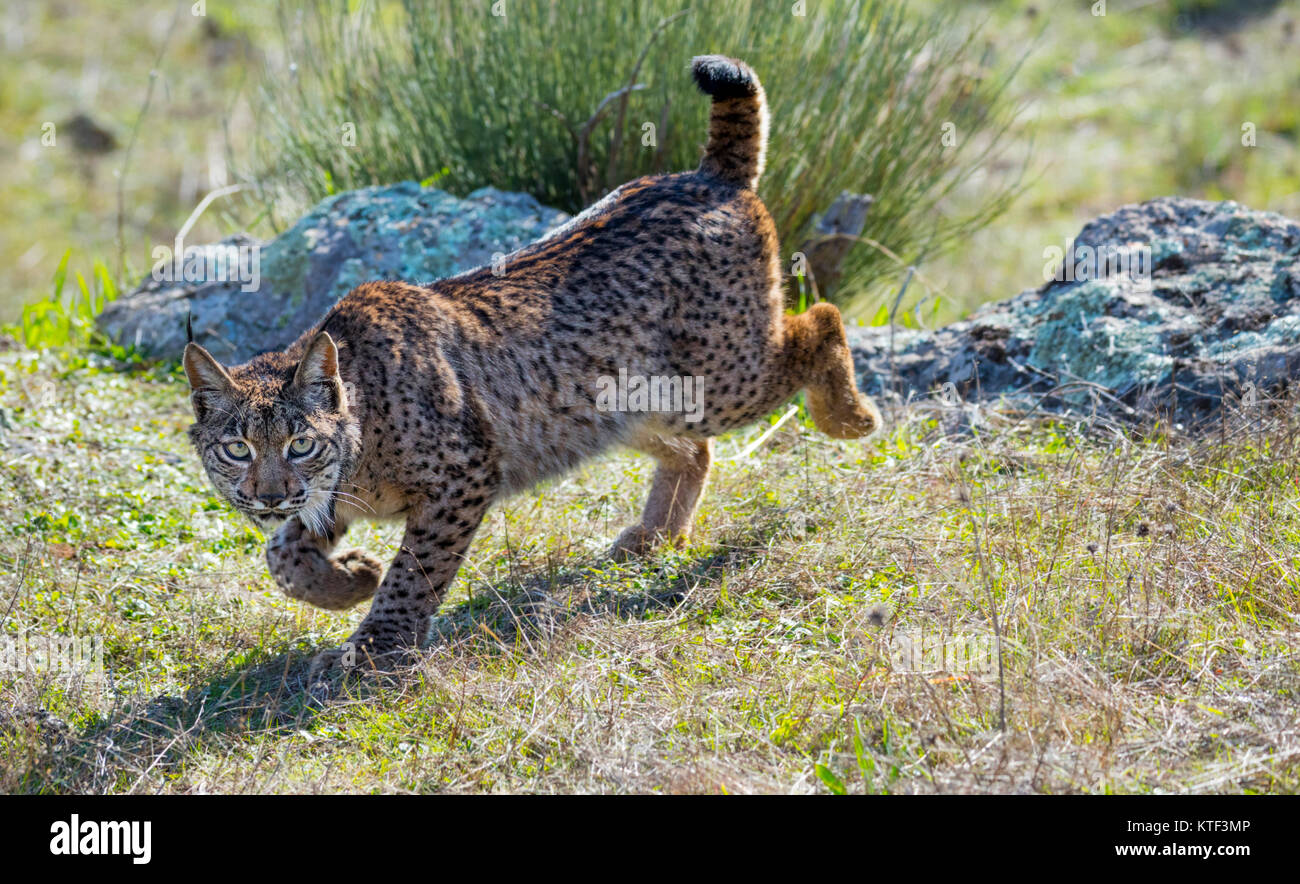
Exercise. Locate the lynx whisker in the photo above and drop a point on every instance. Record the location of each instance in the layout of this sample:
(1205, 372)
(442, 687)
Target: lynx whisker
(349, 498)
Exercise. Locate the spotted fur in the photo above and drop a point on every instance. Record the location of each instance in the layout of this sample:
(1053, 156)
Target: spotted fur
(429, 403)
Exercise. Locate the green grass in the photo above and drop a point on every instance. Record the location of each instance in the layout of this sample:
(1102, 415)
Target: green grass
(861, 96)
(60, 320)
(1146, 593)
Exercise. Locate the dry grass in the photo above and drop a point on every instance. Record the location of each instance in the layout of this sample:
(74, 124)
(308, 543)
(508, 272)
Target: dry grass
(1145, 592)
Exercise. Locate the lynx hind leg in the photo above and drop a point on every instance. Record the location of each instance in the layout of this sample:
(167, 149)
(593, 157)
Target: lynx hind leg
(303, 568)
(817, 354)
(674, 495)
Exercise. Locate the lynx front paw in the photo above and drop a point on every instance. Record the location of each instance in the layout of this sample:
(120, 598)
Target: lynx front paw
(360, 653)
(358, 575)
(305, 573)
(324, 664)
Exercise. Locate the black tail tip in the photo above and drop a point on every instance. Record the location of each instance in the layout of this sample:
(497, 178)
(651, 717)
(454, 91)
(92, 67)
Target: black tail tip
(723, 77)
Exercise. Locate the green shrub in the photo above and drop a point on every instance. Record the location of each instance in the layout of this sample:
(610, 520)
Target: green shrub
(445, 92)
(66, 322)
(57, 321)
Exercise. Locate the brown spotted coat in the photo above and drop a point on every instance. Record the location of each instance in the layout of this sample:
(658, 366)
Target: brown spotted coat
(429, 403)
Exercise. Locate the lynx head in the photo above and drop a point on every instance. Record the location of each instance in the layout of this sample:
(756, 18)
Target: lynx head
(276, 435)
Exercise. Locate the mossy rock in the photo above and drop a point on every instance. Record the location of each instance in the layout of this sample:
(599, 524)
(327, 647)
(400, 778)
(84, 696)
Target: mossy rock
(1216, 319)
(403, 231)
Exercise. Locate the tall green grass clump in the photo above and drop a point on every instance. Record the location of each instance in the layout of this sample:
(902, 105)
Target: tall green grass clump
(59, 320)
(566, 100)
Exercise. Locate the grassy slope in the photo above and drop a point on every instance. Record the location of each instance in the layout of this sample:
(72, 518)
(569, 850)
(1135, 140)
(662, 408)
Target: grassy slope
(1147, 593)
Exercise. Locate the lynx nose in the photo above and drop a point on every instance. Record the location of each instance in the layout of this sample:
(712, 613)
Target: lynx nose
(270, 499)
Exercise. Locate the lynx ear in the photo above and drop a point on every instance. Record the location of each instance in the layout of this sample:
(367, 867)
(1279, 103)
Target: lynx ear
(320, 368)
(204, 372)
(320, 364)
(206, 377)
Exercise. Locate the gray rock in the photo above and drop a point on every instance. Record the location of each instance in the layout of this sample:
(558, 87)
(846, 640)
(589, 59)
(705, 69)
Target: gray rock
(402, 231)
(1218, 320)
(1215, 315)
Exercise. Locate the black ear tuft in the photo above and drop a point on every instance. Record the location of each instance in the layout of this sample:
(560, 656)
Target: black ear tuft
(189, 327)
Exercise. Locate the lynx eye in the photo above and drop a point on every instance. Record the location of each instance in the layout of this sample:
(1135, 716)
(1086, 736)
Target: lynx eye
(301, 447)
(237, 450)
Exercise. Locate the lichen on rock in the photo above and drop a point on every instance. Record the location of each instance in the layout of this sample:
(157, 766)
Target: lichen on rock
(403, 231)
(1217, 317)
